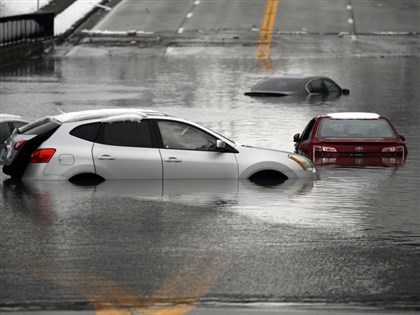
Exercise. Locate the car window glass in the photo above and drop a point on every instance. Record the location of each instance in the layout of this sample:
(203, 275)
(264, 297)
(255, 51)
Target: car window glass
(355, 128)
(18, 124)
(317, 86)
(126, 134)
(4, 132)
(86, 132)
(331, 86)
(182, 136)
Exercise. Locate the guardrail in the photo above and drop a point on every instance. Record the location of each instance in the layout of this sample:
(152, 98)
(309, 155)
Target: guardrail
(26, 28)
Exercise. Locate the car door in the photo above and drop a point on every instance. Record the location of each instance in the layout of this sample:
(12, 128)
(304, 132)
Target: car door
(124, 150)
(189, 152)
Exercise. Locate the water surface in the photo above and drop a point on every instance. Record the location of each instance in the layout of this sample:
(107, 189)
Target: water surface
(353, 236)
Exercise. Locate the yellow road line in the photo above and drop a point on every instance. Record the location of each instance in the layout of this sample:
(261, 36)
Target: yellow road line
(109, 298)
(266, 31)
(192, 281)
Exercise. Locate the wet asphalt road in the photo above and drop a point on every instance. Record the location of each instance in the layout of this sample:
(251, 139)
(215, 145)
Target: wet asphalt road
(347, 241)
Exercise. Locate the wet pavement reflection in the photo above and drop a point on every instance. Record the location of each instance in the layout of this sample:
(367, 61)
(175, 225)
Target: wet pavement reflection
(353, 236)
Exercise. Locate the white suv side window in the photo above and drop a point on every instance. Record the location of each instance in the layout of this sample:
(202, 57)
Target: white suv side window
(177, 135)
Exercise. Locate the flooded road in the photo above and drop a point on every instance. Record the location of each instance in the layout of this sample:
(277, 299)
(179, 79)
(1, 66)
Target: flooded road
(351, 237)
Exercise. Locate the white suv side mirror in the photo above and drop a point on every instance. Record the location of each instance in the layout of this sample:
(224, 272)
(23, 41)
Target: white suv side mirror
(220, 144)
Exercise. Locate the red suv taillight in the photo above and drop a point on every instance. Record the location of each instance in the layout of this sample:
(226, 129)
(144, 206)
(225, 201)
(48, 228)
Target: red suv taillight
(394, 151)
(42, 156)
(397, 149)
(320, 150)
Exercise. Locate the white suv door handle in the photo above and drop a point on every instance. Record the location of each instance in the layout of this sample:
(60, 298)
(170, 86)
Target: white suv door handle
(106, 157)
(173, 160)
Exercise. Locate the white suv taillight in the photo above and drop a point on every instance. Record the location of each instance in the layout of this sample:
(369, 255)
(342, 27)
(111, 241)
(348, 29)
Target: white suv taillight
(18, 145)
(42, 155)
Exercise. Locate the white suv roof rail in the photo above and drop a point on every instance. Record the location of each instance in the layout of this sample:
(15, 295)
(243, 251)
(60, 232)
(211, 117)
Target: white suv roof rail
(105, 114)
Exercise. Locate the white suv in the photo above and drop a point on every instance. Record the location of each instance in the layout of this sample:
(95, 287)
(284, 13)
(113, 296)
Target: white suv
(138, 144)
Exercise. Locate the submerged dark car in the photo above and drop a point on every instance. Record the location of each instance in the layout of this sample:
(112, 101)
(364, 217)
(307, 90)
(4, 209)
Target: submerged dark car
(296, 85)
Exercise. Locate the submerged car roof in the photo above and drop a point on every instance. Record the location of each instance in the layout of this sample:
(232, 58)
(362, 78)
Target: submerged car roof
(290, 83)
(295, 76)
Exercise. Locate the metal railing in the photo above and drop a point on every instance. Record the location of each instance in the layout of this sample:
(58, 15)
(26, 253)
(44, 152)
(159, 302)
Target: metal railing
(26, 28)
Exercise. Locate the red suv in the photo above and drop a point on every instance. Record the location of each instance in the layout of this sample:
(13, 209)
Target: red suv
(351, 139)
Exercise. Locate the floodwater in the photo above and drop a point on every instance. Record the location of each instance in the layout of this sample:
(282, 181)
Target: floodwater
(351, 237)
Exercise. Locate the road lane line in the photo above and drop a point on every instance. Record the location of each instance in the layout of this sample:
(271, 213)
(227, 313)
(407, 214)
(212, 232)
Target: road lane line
(264, 29)
(266, 32)
(187, 286)
(193, 280)
(100, 297)
(351, 20)
(188, 16)
(272, 17)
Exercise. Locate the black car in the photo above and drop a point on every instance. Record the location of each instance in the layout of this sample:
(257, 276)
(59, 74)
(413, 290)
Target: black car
(296, 85)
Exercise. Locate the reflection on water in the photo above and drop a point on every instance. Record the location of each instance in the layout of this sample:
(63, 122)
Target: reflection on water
(351, 200)
(226, 192)
(137, 234)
